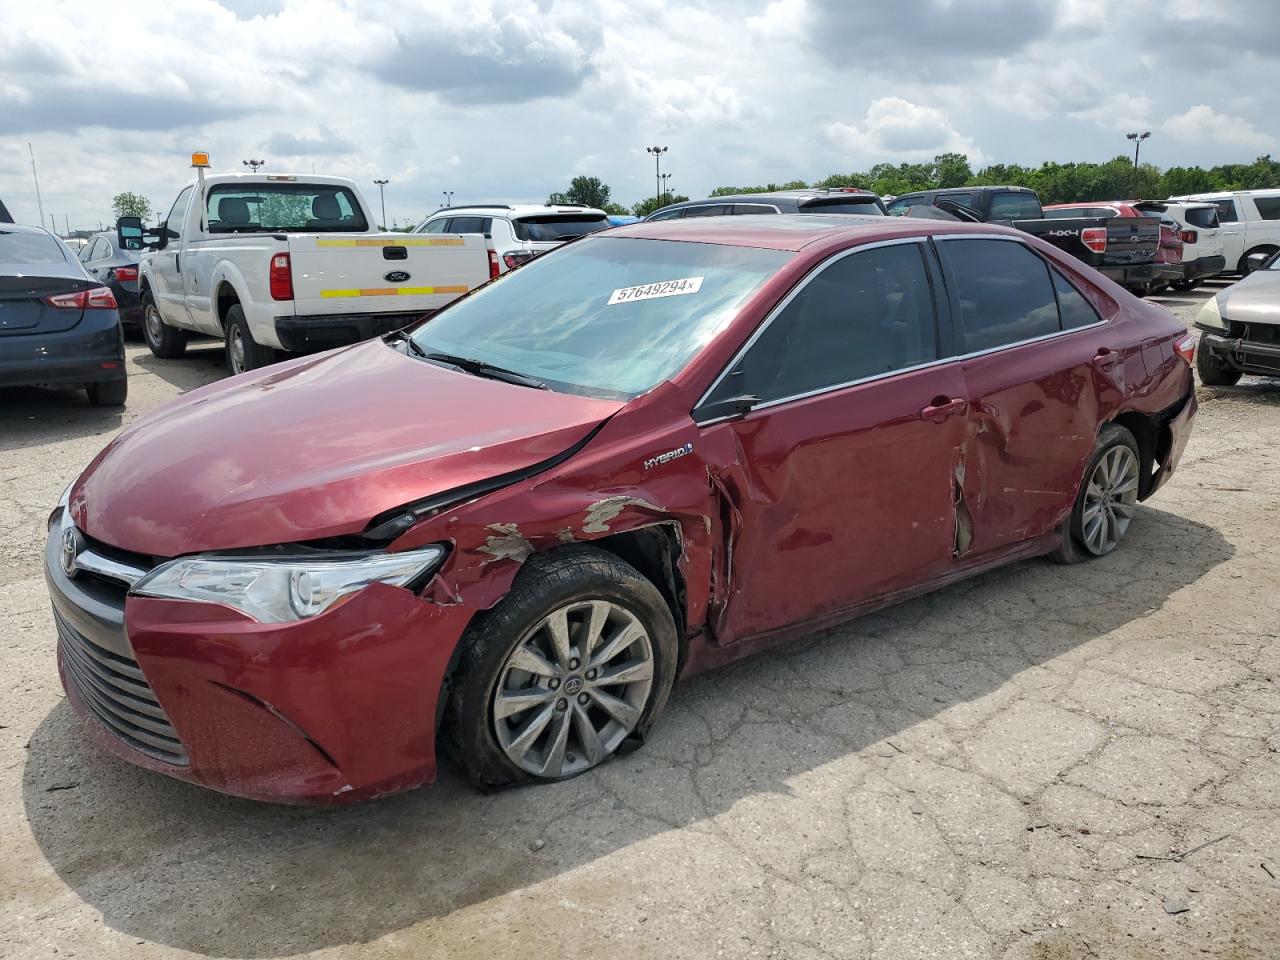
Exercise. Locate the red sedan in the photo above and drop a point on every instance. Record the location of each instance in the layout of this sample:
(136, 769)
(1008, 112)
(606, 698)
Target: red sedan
(652, 451)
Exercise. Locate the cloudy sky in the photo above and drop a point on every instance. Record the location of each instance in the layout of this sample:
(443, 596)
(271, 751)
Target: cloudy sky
(508, 99)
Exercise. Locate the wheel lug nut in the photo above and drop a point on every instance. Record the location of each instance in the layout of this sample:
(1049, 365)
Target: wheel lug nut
(591, 674)
(554, 683)
(562, 704)
(583, 699)
(573, 664)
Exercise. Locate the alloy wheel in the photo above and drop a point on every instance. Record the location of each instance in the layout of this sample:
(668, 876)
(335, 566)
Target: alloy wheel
(573, 688)
(1109, 500)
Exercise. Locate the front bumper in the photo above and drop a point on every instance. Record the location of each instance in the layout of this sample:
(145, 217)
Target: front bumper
(90, 352)
(1249, 348)
(312, 333)
(334, 709)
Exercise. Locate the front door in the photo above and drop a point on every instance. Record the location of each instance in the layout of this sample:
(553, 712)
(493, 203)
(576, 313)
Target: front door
(166, 265)
(1038, 360)
(840, 480)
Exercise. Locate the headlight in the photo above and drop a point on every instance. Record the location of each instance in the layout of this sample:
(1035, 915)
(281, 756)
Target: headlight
(1211, 316)
(279, 590)
(61, 505)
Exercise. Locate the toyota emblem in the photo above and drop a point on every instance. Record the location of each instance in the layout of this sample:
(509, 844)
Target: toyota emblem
(71, 547)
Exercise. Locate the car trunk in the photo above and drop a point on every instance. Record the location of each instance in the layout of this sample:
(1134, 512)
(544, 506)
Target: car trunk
(547, 231)
(345, 273)
(1132, 240)
(24, 308)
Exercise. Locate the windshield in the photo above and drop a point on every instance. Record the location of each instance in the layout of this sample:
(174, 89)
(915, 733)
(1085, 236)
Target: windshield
(553, 227)
(269, 207)
(605, 317)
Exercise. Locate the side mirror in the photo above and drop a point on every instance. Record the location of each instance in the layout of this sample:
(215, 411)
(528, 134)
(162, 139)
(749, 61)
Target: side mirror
(129, 233)
(1255, 261)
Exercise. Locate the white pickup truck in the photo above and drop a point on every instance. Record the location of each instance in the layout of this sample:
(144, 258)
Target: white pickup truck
(271, 263)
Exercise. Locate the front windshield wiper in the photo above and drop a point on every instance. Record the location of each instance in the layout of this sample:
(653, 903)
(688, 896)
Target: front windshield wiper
(478, 367)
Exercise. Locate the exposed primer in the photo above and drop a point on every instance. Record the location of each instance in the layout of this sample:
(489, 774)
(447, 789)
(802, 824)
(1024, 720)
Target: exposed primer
(601, 513)
(963, 521)
(507, 543)
(566, 536)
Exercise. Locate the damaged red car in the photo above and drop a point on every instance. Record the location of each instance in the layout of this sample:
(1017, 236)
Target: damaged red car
(507, 531)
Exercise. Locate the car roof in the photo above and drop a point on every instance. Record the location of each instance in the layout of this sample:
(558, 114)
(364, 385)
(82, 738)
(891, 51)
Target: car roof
(795, 231)
(1228, 194)
(517, 210)
(811, 193)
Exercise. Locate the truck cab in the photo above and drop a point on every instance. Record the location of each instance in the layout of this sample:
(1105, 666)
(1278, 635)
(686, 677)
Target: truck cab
(289, 263)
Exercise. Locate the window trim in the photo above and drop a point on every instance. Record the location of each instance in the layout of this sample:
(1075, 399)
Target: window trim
(781, 306)
(943, 311)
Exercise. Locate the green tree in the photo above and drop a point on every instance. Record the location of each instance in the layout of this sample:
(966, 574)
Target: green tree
(650, 204)
(951, 170)
(129, 204)
(859, 180)
(615, 209)
(588, 191)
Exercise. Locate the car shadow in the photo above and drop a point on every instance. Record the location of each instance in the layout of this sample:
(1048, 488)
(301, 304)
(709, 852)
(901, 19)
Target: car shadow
(1251, 389)
(203, 362)
(30, 415)
(167, 862)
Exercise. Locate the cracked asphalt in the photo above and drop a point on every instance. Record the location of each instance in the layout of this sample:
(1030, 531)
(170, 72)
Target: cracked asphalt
(1044, 762)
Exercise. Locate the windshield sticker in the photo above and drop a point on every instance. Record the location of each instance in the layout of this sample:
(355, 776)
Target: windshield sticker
(651, 291)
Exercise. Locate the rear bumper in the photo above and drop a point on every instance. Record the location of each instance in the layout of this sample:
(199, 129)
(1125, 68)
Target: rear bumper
(1136, 274)
(313, 333)
(1203, 267)
(90, 352)
(1173, 442)
(128, 302)
(1247, 356)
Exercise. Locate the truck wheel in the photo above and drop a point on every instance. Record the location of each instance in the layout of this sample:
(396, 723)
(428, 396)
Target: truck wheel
(1185, 285)
(1103, 510)
(165, 342)
(1214, 371)
(108, 393)
(576, 662)
(243, 352)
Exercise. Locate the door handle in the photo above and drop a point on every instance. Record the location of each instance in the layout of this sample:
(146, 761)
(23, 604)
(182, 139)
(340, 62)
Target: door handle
(1105, 360)
(943, 407)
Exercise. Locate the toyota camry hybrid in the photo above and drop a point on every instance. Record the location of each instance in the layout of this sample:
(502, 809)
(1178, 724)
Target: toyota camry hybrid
(506, 532)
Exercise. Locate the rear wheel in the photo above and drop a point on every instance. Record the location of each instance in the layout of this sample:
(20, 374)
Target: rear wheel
(575, 662)
(1185, 285)
(1104, 507)
(108, 393)
(165, 342)
(243, 352)
(1214, 371)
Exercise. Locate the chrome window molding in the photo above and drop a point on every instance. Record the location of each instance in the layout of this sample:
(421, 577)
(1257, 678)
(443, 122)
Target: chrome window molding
(942, 314)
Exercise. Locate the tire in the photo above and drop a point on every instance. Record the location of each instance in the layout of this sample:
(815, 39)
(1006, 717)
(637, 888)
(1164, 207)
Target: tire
(108, 393)
(1115, 448)
(1243, 265)
(1213, 370)
(242, 351)
(486, 722)
(166, 342)
(1185, 285)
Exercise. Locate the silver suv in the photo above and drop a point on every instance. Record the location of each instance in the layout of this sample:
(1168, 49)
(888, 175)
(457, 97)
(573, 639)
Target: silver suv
(517, 232)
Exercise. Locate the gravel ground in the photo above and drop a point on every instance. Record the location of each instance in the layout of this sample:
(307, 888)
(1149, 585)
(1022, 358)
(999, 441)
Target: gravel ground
(1008, 768)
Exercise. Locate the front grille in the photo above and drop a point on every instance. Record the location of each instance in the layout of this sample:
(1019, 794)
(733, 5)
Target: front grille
(116, 692)
(1264, 333)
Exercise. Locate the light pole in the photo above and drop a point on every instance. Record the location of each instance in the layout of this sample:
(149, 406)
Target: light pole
(666, 188)
(39, 202)
(383, 198)
(448, 197)
(254, 164)
(657, 171)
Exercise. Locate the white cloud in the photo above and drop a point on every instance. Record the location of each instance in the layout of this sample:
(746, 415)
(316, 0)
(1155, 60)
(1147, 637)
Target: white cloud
(1203, 124)
(897, 129)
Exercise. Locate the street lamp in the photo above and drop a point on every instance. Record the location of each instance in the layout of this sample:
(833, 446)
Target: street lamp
(382, 197)
(657, 172)
(1137, 139)
(254, 164)
(666, 188)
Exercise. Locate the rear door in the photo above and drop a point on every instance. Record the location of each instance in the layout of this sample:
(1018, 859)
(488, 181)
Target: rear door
(843, 484)
(35, 269)
(384, 273)
(1037, 359)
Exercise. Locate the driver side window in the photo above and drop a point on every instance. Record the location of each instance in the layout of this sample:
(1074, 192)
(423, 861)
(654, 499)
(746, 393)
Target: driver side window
(867, 314)
(177, 213)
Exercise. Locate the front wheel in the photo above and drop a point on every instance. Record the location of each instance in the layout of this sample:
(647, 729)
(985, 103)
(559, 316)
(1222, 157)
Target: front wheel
(577, 660)
(1104, 507)
(164, 341)
(243, 352)
(1213, 370)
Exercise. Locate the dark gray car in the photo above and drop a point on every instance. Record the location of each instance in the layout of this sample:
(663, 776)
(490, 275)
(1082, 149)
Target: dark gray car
(834, 200)
(114, 263)
(58, 326)
(1240, 327)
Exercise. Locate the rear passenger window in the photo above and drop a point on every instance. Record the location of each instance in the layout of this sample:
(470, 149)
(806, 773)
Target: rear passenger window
(1268, 207)
(1004, 291)
(752, 209)
(710, 210)
(1206, 218)
(1014, 206)
(1074, 309)
(868, 313)
(469, 225)
(1226, 211)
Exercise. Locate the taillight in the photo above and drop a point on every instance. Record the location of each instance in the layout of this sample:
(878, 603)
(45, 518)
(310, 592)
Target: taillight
(494, 268)
(1185, 347)
(280, 277)
(1095, 238)
(97, 298)
(125, 273)
(515, 258)
(1188, 236)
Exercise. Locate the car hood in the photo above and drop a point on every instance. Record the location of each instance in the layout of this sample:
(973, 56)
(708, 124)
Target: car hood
(315, 448)
(1255, 299)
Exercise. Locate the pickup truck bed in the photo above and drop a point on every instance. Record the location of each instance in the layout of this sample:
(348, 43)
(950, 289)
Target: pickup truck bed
(1128, 254)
